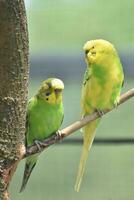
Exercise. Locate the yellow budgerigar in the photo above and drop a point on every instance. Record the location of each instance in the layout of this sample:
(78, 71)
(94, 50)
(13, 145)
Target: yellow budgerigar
(102, 85)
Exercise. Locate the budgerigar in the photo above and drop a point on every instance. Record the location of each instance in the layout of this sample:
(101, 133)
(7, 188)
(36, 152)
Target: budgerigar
(44, 117)
(101, 89)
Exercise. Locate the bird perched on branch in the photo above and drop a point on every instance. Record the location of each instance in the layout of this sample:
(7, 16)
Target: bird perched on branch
(44, 117)
(101, 89)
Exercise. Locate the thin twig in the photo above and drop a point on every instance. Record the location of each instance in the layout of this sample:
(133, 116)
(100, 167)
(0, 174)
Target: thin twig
(74, 127)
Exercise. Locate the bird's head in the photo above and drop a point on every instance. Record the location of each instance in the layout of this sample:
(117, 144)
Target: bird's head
(98, 51)
(51, 91)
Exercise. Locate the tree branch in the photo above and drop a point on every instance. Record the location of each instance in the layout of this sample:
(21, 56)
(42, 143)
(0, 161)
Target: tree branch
(74, 127)
(14, 69)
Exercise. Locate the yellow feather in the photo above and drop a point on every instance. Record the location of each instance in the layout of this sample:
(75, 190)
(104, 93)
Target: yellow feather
(101, 89)
(89, 133)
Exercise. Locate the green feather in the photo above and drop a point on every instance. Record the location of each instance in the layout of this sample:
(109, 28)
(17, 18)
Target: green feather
(44, 117)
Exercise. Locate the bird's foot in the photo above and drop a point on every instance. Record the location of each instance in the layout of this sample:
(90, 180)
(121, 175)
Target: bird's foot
(59, 134)
(39, 144)
(100, 112)
(116, 104)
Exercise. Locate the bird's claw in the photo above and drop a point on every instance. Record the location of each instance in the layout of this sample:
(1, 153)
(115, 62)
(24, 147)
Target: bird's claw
(116, 105)
(100, 112)
(39, 144)
(59, 134)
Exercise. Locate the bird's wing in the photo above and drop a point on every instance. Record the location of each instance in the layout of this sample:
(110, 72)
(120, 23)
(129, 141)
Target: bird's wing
(123, 83)
(87, 76)
(62, 119)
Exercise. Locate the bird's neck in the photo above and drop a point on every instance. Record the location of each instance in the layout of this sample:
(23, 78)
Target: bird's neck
(99, 71)
(48, 103)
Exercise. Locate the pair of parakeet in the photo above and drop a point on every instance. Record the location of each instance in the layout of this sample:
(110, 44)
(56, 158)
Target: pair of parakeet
(102, 85)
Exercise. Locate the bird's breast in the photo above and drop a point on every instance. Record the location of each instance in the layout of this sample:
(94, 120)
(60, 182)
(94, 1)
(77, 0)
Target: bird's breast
(97, 94)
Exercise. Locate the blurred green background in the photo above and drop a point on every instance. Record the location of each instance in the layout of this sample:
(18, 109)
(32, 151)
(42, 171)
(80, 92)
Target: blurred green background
(57, 31)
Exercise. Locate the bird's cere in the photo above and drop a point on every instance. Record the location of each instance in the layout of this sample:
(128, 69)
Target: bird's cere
(57, 84)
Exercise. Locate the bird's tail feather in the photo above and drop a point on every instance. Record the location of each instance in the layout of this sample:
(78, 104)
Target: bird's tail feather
(89, 133)
(27, 172)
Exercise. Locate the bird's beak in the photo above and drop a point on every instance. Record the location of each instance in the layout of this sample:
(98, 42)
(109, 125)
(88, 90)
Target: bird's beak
(58, 95)
(58, 92)
(87, 55)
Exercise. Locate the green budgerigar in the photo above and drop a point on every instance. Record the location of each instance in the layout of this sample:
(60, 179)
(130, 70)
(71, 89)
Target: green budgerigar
(44, 117)
(101, 89)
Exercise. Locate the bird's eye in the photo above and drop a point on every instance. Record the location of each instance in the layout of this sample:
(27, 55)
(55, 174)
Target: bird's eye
(47, 93)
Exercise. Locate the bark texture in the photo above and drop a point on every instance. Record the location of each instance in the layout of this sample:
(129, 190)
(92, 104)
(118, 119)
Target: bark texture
(13, 88)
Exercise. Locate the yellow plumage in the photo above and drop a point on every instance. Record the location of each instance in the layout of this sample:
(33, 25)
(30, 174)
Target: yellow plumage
(101, 89)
